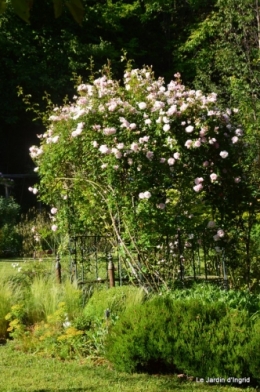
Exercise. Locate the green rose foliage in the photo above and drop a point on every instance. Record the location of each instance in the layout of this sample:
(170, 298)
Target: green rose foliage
(141, 159)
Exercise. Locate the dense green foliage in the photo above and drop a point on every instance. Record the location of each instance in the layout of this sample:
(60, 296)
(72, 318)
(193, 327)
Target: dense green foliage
(10, 241)
(203, 332)
(203, 339)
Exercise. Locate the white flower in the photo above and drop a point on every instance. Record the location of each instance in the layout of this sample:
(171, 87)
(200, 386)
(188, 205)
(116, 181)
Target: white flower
(120, 146)
(55, 139)
(171, 161)
(166, 127)
(213, 177)
(36, 169)
(220, 233)
(142, 105)
(237, 180)
(197, 143)
(149, 155)
(132, 126)
(54, 227)
(176, 155)
(188, 143)
(118, 154)
(134, 147)
(189, 129)
(198, 188)
(234, 139)
(183, 107)
(77, 132)
(212, 140)
(148, 121)
(144, 195)
(130, 161)
(104, 165)
(239, 132)
(104, 149)
(198, 180)
(172, 110)
(223, 154)
(54, 210)
(147, 194)
(162, 160)
(95, 143)
(109, 131)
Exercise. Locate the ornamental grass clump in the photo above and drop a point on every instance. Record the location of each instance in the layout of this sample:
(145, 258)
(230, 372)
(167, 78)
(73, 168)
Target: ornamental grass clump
(115, 300)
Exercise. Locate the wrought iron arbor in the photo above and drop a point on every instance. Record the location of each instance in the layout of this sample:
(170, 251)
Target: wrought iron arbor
(180, 258)
(90, 256)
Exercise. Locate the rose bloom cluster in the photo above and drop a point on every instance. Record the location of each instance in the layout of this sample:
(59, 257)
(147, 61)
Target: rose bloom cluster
(139, 135)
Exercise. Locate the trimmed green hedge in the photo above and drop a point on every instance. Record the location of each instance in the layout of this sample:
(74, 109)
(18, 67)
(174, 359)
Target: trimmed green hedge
(199, 339)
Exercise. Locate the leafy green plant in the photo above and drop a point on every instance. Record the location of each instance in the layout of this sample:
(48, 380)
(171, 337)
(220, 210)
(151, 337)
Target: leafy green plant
(10, 240)
(204, 339)
(115, 300)
(208, 293)
(252, 350)
(149, 152)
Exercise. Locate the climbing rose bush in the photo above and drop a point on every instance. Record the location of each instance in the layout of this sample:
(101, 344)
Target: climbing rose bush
(135, 156)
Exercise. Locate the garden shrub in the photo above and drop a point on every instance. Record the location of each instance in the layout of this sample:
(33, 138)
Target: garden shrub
(252, 350)
(5, 306)
(141, 339)
(208, 293)
(10, 241)
(211, 343)
(55, 337)
(203, 340)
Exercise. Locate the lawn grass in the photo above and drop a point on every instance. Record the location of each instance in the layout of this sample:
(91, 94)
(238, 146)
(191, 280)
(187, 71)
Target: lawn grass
(22, 372)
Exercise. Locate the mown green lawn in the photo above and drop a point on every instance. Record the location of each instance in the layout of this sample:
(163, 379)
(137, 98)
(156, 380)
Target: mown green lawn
(20, 372)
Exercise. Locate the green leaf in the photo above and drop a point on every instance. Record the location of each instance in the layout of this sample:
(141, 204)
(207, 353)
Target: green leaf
(57, 8)
(76, 9)
(2, 6)
(22, 8)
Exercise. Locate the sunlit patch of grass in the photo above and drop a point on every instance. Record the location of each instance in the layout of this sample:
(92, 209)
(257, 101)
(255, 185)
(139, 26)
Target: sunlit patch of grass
(27, 373)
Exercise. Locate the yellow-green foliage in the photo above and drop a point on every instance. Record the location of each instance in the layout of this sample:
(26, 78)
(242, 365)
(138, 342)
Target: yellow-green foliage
(5, 307)
(8, 296)
(54, 337)
(45, 295)
(116, 299)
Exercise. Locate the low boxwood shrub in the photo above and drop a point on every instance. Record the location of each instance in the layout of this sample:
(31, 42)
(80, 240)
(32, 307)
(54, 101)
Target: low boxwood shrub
(165, 335)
